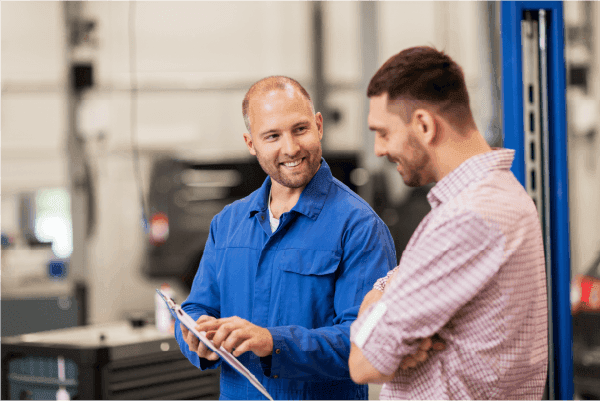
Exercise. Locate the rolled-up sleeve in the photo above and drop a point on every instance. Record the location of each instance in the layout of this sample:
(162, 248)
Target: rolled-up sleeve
(439, 275)
(380, 283)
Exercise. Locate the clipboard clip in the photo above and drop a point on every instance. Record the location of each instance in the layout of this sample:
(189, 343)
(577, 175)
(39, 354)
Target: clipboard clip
(168, 300)
(170, 303)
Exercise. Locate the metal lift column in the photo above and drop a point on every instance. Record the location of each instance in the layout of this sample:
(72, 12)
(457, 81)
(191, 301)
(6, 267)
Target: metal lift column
(534, 124)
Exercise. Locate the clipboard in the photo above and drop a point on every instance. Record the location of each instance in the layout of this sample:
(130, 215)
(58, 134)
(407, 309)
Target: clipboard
(185, 319)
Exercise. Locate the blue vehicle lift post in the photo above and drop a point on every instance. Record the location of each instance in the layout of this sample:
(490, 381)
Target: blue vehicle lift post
(538, 135)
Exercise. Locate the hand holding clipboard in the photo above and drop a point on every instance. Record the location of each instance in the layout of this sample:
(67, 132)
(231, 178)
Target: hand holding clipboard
(190, 324)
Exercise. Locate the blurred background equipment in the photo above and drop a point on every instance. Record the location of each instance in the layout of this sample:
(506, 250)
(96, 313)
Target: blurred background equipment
(105, 103)
(113, 361)
(585, 326)
(582, 95)
(38, 291)
(184, 197)
(115, 87)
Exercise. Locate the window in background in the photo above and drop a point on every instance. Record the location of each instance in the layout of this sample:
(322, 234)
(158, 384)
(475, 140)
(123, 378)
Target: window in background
(53, 220)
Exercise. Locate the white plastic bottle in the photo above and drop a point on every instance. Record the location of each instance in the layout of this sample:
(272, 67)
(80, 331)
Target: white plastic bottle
(162, 315)
(62, 393)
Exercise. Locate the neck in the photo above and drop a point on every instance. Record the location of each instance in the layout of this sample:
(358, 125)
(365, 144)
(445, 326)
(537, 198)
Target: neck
(283, 198)
(456, 149)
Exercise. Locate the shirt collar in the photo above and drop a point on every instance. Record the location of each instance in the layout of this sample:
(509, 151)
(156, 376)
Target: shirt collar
(473, 169)
(311, 200)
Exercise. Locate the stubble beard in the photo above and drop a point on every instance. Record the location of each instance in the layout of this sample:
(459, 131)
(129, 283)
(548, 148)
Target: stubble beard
(295, 180)
(416, 169)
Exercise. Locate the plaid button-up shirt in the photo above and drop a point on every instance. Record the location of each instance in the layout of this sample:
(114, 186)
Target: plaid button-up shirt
(473, 272)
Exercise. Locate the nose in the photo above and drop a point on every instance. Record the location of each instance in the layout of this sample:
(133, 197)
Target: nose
(379, 149)
(290, 145)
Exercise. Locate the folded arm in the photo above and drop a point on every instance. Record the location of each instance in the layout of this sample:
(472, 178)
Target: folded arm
(443, 272)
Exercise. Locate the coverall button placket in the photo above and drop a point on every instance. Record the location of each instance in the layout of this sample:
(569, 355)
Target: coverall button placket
(263, 283)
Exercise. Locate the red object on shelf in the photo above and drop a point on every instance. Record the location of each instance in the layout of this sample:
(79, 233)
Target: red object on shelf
(159, 229)
(585, 294)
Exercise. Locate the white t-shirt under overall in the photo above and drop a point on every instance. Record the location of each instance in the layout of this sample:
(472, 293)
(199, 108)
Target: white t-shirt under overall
(273, 222)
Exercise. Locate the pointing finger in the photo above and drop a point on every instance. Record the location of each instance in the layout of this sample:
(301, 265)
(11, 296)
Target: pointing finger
(222, 333)
(208, 325)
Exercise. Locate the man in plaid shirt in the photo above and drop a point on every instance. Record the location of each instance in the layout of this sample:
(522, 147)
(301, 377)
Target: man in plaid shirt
(473, 273)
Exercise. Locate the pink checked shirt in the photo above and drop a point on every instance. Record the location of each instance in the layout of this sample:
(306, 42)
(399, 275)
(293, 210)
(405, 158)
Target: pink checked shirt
(473, 272)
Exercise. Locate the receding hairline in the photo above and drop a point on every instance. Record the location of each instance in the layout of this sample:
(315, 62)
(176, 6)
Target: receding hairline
(268, 84)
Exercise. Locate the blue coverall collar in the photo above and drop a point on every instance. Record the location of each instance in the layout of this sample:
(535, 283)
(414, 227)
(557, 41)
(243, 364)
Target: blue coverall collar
(311, 200)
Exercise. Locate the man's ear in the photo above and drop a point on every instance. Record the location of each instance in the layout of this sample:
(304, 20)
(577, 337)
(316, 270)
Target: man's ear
(424, 123)
(319, 122)
(249, 143)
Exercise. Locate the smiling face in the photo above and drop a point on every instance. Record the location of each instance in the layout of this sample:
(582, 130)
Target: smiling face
(285, 136)
(399, 141)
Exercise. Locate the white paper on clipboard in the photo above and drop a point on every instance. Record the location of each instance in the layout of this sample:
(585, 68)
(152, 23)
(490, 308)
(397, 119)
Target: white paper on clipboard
(190, 324)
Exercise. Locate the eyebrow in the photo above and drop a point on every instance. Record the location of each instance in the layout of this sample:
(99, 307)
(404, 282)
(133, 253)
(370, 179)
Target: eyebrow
(376, 128)
(271, 131)
(276, 131)
(306, 122)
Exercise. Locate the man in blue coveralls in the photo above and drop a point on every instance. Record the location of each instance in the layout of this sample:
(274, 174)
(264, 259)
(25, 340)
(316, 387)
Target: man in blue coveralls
(285, 269)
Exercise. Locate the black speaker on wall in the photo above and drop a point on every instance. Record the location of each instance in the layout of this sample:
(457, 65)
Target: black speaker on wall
(82, 76)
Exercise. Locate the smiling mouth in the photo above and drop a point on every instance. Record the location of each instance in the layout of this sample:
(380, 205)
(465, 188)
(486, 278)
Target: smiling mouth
(293, 163)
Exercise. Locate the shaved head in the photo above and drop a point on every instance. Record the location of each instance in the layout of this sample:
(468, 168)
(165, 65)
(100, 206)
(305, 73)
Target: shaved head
(277, 82)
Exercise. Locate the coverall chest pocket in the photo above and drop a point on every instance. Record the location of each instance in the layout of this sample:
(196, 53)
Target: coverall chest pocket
(307, 286)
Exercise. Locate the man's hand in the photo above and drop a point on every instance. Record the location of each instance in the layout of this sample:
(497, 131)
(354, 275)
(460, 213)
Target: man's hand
(194, 343)
(238, 335)
(435, 342)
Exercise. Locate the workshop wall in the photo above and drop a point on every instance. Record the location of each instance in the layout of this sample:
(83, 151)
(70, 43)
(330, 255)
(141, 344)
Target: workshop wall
(193, 63)
(582, 95)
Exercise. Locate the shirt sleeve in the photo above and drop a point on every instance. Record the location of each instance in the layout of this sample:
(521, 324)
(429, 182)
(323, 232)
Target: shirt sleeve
(440, 274)
(202, 301)
(380, 283)
(322, 353)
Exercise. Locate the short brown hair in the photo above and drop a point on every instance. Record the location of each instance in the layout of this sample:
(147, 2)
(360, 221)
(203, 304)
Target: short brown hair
(424, 76)
(270, 83)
